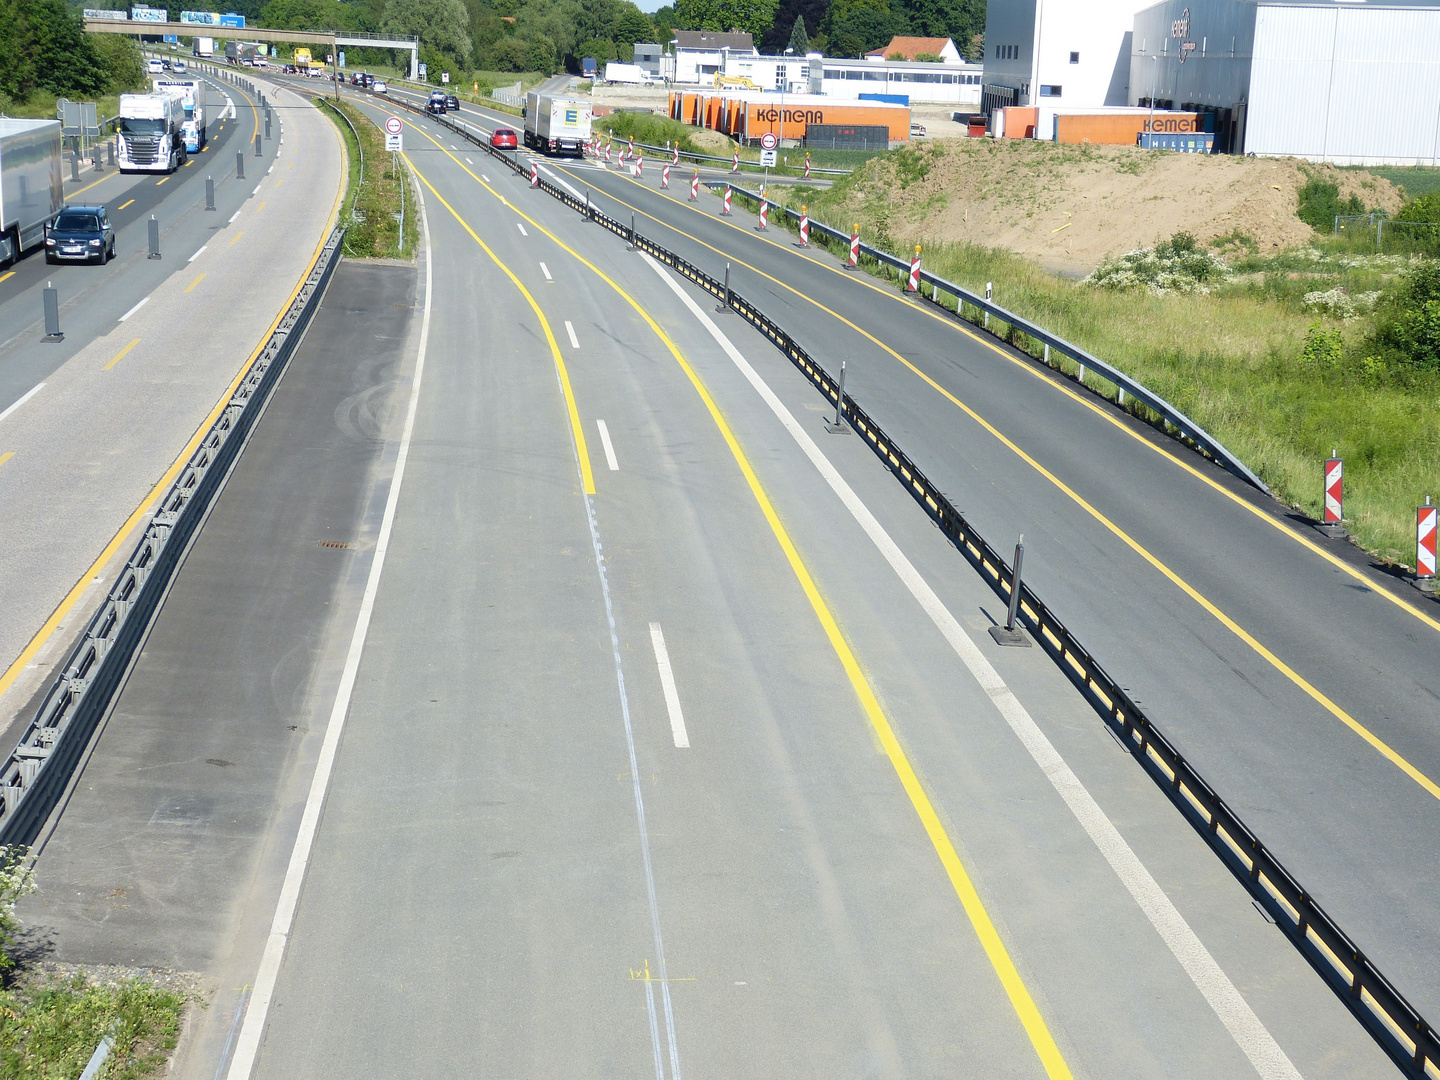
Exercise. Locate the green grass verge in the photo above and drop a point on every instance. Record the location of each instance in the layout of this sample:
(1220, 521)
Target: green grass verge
(1417, 180)
(51, 1026)
(1232, 361)
(375, 193)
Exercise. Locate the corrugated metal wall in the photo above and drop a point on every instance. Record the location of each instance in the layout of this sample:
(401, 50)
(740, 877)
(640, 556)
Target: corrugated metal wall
(1348, 85)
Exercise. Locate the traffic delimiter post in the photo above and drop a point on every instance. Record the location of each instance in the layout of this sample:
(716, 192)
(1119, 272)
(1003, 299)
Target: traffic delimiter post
(1010, 634)
(52, 314)
(154, 238)
(839, 427)
(209, 193)
(239, 165)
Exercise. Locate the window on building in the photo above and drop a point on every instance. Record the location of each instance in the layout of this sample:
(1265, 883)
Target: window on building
(1049, 91)
(1074, 58)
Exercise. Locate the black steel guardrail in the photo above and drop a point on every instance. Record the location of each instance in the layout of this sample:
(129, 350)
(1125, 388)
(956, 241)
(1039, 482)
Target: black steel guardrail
(1185, 428)
(39, 769)
(1381, 1008)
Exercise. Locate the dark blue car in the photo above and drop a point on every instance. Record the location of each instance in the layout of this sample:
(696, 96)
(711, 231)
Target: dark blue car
(80, 234)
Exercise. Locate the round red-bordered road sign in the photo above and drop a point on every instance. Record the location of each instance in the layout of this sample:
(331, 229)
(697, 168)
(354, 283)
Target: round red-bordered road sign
(768, 141)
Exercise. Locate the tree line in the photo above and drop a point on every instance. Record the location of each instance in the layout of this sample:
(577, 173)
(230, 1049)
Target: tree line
(44, 50)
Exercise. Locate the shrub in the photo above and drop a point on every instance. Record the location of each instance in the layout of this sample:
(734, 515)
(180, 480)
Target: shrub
(1320, 202)
(1174, 265)
(1323, 348)
(1409, 326)
(1339, 303)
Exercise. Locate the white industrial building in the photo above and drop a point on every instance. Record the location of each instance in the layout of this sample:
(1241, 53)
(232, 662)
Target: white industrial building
(920, 82)
(1070, 52)
(699, 54)
(1345, 82)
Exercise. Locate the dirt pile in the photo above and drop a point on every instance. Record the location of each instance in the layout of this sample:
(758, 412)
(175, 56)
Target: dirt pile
(1069, 207)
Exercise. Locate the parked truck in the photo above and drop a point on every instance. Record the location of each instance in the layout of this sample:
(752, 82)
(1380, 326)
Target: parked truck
(152, 135)
(31, 184)
(556, 125)
(194, 97)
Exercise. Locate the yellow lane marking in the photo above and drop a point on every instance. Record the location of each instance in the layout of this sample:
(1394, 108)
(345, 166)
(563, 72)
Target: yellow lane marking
(1024, 1005)
(1335, 710)
(126, 203)
(280, 181)
(121, 354)
(576, 428)
(7, 275)
(6, 456)
(159, 182)
(1047, 377)
(63, 609)
(195, 282)
(261, 206)
(236, 237)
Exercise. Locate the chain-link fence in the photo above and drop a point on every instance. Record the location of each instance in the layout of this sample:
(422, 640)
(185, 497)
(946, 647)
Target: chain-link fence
(1379, 232)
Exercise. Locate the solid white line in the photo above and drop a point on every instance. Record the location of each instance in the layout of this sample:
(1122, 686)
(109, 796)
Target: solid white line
(198, 253)
(22, 399)
(609, 448)
(521, 227)
(249, 1042)
(570, 329)
(667, 683)
(546, 271)
(235, 215)
(1253, 1038)
(134, 309)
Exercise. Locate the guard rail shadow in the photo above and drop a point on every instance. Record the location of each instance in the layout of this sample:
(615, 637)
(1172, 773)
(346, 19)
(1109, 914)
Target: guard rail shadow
(1380, 1007)
(39, 769)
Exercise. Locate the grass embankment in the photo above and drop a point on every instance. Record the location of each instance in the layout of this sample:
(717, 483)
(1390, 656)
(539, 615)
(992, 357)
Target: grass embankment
(375, 193)
(1234, 360)
(658, 130)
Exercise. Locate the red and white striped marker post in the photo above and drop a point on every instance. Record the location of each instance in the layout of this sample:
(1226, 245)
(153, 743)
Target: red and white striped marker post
(676, 159)
(639, 167)
(1425, 522)
(1334, 491)
(915, 270)
(804, 226)
(764, 215)
(725, 206)
(735, 165)
(854, 262)
(695, 186)
(607, 154)
(665, 177)
(534, 175)
(807, 164)
(632, 146)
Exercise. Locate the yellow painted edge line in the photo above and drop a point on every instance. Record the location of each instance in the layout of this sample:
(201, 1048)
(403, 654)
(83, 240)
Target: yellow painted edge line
(6, 456)
(121, 354)
(159, 182)
(65, 606)
(123, 205)
(1379, 744)
(234, 239)
(195, 282)
(1046, 377)
(577, 429)
(1025, 1008)
(7, 275)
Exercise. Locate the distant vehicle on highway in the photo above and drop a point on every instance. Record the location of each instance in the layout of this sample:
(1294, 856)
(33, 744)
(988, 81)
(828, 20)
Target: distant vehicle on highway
(436, 104)
(80, 234)
(917, 131)
(164, 64)
(452, 103)
(369, 81)
(151, 132)
(556, 125)
(178, 67)
(31, 185)
(504, 139)
(380, 87)
(154, 67)
(357, 79)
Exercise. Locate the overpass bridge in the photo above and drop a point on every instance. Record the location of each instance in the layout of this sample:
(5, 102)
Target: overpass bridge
(332, 38)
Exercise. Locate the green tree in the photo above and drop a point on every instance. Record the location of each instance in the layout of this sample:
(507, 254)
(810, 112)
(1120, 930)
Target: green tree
(665, 23)
(507, 54)
(55, 53)
(443, 25)
(17, 52)
(799, 40)
(308, 15)
(540, 55)
(119, 59)
(854, 27)
(749, 16)
(959, 20)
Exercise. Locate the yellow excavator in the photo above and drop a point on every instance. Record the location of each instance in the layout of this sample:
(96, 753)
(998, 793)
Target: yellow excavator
(738, 82)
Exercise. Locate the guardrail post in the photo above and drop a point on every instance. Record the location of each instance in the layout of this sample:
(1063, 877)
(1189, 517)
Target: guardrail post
(239, 165)
(1010, 634)
(839, 427)
(587, 204)
(989, 292)
(632, 232)
(209, 193)
(52, 314)
(725, 304)
(154, 238)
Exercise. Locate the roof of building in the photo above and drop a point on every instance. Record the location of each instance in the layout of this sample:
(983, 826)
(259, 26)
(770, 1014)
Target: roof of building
(705, 39)
(910, 47)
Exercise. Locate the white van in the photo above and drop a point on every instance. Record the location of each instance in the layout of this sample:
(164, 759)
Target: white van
(153, 66)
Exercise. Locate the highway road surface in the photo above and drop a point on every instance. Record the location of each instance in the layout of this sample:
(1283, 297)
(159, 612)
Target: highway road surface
(552, 694)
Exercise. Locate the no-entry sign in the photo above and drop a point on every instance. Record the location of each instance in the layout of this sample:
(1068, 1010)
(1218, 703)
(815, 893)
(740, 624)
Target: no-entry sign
(393, 125)
(768, 141)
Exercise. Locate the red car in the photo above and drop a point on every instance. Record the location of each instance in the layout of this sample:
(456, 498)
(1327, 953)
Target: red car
(504, 139)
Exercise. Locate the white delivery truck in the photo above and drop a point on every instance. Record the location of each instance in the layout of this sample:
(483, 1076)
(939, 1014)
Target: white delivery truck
(204, 46)
(151, 132)
(193, 98)
(31, 184)
(556, 125)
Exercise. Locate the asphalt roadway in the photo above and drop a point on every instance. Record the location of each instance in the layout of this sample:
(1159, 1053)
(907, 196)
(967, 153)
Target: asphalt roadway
(1299, 679)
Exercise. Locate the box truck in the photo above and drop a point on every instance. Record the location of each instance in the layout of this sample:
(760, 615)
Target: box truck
(31, 184)
(193, 94)
(151, 132)
(204, 46)
(556, 125)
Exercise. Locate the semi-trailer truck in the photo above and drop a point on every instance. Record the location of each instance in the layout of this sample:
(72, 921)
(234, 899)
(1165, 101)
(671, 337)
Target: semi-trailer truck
(194, 98)
(151, 132)
(556, 125)
(31, 184)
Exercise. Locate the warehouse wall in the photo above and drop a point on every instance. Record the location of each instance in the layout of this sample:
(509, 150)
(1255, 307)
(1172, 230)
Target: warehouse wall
(1354, 86)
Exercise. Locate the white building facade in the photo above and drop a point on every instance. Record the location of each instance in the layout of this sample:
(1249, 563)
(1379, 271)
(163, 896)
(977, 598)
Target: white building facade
(1348, 83)
(1060, 52)
(699, 54)
(947, 84)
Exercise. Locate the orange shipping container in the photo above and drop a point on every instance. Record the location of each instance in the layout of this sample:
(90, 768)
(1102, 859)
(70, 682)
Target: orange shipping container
(1020, 121)
(765, 116)
(1122, 129)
